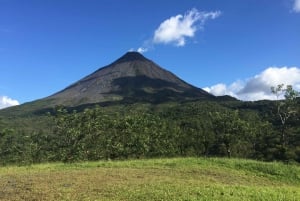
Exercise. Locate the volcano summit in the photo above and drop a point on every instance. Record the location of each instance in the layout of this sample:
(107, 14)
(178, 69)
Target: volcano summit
(131, 78)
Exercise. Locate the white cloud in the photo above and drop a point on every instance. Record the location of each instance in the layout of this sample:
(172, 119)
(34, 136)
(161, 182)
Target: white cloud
(259, 86)
(7, 102)
(217, 90)
(142, 49)
(222, 89)
(177, 28)
(296, 7)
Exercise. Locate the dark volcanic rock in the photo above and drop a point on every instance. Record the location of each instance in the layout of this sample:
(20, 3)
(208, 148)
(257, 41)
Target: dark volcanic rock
(131, 77)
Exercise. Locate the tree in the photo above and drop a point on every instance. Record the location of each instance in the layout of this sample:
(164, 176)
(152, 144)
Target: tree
(69, 132)
(228, 128)
(285, 108)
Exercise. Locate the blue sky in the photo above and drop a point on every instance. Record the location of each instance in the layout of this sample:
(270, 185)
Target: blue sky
(235, 47)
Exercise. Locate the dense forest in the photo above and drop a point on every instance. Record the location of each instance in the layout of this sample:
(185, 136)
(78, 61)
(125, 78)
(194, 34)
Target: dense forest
(264, 130)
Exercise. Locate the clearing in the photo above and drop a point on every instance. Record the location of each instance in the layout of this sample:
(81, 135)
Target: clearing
(153, 179)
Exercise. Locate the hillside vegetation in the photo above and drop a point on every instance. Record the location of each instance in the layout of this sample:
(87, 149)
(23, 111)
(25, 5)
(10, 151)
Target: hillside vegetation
(153, 179)
(143, 130)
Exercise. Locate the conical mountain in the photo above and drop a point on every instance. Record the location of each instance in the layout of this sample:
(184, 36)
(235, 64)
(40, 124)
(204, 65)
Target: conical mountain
(130, 78)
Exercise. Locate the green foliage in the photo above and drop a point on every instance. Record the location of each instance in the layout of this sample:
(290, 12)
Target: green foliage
(228, 129)
(13, 149)
(287, 110)
(196, 128)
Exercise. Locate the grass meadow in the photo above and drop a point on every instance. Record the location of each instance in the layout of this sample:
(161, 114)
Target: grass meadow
(153, 179)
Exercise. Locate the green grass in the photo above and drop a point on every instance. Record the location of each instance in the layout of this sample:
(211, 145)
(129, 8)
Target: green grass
(153, 179)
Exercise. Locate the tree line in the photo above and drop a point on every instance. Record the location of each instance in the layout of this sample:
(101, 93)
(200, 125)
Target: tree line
(143, 131)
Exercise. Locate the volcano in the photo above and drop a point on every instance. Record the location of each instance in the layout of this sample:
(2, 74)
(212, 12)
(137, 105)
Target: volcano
(130, 78)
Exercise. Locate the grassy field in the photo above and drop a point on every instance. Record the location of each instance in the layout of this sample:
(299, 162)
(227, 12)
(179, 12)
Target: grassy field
(153, 179)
